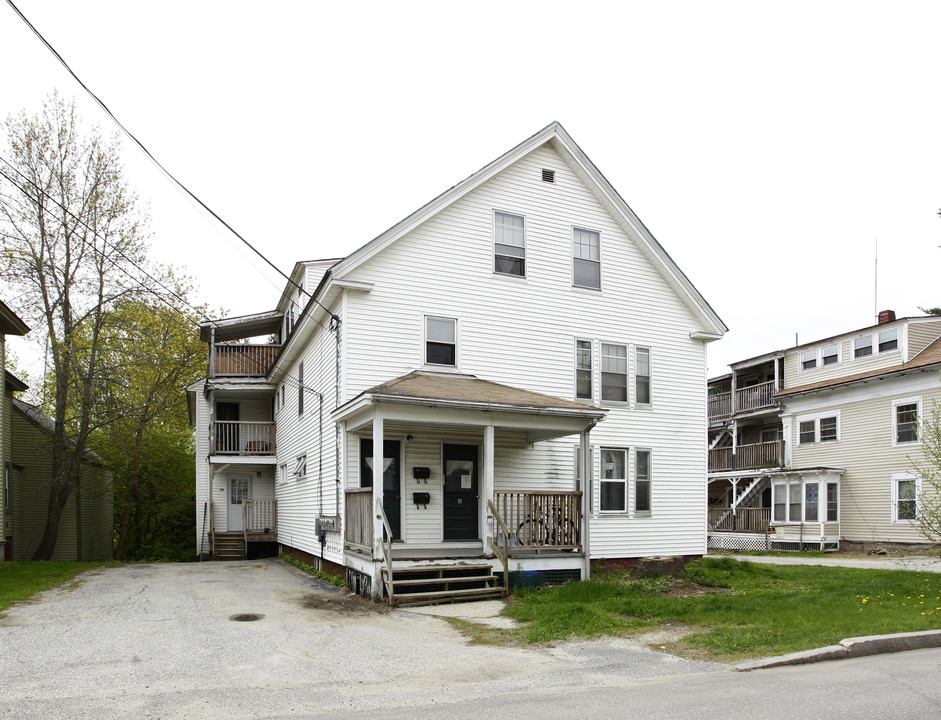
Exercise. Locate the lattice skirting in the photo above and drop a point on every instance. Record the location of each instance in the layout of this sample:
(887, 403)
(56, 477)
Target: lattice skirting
(742, 541)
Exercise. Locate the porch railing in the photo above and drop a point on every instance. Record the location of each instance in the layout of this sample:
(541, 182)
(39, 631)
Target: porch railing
(755, 397)
(749, 520)
(720, 406)
(246, 360)
(541, 521)
(747, 457)
(243, 437)
(358, 525)
(260, 516)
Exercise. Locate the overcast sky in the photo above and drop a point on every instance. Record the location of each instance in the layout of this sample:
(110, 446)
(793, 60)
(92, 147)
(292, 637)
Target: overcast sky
(768, 147)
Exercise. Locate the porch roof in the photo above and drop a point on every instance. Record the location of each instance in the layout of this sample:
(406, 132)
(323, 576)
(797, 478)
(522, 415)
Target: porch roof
(454, 399)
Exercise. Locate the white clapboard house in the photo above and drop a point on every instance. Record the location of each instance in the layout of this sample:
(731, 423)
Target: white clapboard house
(531, 362)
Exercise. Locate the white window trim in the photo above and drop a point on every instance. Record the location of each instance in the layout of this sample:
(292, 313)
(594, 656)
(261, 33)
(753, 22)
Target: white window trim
(424, 342)
(591, 369)
(588, 487)
(819, 356)
(816, 418)
(282, 473)
(916, 400)
(877, 341)
(874, 347)
(627, 373)
(896, 477)
(633, 357)
(495, 243)
(572, 236)
(625, 480)
(649, 481)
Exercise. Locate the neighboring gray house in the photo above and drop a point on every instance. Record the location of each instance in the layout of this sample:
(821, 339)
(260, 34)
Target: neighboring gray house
(10, 324)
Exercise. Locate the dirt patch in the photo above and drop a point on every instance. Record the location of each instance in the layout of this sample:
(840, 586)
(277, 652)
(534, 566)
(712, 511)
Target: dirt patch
(684, 588)
(343, 603)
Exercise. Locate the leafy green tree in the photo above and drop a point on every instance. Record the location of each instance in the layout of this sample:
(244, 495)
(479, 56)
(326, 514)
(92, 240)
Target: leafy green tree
(928, 469)
(150, 353)
(72, 245)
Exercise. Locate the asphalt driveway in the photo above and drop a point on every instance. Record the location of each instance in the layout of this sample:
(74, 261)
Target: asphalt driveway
(167, 641)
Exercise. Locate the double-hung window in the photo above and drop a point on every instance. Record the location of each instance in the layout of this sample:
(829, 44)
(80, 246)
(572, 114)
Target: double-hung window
(889, 340)
(830, 354)
(642, 482)
(904, 497)
(809, 359)
(862, 346)
(642, 375)
(509, 244)
(440, 341)
(587, 251)
(614, 372)
(613, 480)
(583, 384)
(905, 420)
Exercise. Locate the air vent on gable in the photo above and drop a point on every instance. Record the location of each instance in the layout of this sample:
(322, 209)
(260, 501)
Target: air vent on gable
(548, 176)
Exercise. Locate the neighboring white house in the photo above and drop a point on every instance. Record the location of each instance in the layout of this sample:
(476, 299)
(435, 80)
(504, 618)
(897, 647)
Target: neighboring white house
(822, 439)
(517, 334)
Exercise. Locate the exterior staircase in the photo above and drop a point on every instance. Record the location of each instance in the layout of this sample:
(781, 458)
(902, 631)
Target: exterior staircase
(228, 546)
(441, 584)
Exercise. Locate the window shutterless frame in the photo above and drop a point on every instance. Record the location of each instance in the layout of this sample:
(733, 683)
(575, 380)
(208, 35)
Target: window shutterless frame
(584, 386)
(440, 347)
(509, 244)
(586, 252)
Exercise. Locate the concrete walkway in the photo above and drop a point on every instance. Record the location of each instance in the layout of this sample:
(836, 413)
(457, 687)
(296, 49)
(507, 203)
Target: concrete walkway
(917, 563)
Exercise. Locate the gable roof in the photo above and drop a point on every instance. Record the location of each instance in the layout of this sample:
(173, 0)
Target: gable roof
(927, 359)
(10, 322)
(559, 140)
(43, 422)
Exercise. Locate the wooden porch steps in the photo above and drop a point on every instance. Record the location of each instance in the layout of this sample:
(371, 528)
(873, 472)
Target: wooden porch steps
(442, 584)
(229, 546)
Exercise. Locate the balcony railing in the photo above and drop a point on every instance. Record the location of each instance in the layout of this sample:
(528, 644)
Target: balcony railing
(720, 406)
(244, 360)
(261, 516)
(751, 520)
(747, 457)
(755, 397)
(243, 437)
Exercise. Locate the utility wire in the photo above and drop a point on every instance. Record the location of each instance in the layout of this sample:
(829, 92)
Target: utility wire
(157, 163)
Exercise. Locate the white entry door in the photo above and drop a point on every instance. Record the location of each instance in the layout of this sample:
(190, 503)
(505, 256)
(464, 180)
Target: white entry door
(240, 490)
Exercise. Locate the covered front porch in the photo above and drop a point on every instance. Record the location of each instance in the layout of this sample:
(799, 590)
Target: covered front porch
(243, 510)
(467, 480)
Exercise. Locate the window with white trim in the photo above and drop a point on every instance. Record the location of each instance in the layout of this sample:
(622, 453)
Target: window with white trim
(300, 466)
(583, 368)
(509, 244)
(642, 482)
(642, 375)
(613, 484)
(906, 421)
(282, 473)
(586, 487)
(889, 340)
(809, 359)
(824, 428)
(440, 341)
(830, 354)
(833, 502)
(862, 346)
(905, 489)
(614, 372)
(587, 260)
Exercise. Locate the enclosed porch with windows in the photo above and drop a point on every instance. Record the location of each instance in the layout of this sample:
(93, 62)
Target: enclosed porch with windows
(467, 485)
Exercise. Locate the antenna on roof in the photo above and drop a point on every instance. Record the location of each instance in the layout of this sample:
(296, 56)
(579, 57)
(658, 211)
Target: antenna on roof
(875, 290)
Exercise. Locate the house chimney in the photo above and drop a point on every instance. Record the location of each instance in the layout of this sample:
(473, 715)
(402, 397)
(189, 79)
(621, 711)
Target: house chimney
(886, 316)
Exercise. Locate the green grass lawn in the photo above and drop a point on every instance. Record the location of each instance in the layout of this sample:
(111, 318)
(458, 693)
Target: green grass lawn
(19, 581)
(748, 610)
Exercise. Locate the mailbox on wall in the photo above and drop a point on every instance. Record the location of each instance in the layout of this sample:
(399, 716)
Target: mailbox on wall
(421, 498)
(421, 473)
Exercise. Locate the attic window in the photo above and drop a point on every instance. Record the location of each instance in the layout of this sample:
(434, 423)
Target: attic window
(548, 176)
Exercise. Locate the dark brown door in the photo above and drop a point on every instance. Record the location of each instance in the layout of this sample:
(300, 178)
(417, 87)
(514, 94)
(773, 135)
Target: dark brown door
(461, 500)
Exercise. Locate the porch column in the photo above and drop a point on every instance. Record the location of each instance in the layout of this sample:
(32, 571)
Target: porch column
(587, 489)
(377, 480)
(486, 488)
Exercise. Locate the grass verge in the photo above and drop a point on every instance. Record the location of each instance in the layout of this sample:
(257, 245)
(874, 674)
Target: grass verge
(19, 581)
(738, 609)
(311, 570)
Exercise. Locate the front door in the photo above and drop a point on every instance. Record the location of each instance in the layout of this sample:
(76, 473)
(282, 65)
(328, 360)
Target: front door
(240, 490)
(391, 480)
(460, 492)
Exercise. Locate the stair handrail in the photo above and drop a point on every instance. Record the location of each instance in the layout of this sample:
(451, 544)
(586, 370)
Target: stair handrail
(505, 554)
(212, 530)
(386, 547)
(245, 525)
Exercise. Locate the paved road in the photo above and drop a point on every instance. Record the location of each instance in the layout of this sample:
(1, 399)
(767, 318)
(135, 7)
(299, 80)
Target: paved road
(157, 641)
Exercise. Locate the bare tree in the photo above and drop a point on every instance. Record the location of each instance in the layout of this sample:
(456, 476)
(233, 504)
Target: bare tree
(928, 469)
(72, 238)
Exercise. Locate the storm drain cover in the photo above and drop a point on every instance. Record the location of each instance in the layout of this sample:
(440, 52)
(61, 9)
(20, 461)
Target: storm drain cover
(246, 617)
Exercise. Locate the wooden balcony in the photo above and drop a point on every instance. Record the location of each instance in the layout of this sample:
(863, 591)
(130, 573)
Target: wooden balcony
(241, 360)
(749, 520)
(242, 437)
(720, 406)
(747, 457)
(756, 397)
